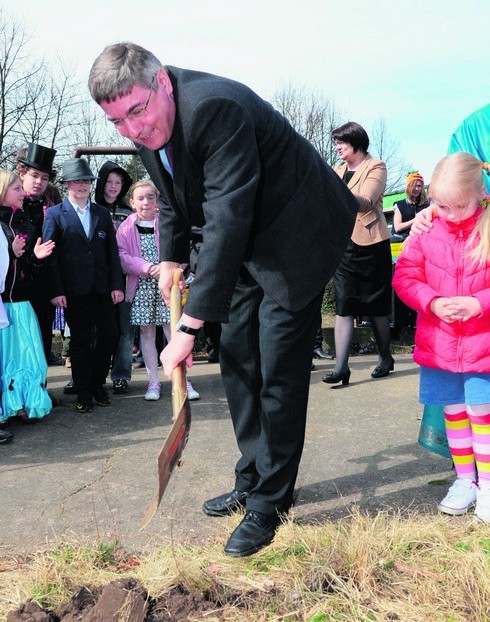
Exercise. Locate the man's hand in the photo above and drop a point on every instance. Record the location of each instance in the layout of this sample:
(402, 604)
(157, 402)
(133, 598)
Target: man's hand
(422, 222)
(456, 309)
(165, 281)
(59, 301)
(179, 349)
(117, 296)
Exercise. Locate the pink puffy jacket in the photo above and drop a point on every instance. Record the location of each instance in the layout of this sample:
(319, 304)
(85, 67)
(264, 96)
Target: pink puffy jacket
(435, 264)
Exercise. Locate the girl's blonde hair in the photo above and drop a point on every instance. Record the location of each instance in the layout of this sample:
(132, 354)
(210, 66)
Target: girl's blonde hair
(7, 178)
(141, 183)
(457, 178)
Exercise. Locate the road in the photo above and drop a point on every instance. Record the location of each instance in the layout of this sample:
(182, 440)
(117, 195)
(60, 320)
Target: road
(73, 477)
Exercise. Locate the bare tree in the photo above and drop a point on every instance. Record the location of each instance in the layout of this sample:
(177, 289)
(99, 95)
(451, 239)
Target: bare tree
(55, 107)
(38, 104)
(313, 116)
(17, 71)
(384, 147)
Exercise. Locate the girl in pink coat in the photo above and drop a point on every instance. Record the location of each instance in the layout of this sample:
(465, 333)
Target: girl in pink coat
(138, 243)
(445, 276)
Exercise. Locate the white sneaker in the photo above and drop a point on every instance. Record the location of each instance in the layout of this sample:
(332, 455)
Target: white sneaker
(482, 511)
(192, 394)
(460, 497)
(153, 391)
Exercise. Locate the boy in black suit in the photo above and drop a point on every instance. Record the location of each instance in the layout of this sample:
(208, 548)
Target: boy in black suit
(85, 278)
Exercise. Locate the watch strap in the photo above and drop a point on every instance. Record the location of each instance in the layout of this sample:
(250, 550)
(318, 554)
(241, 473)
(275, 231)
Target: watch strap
(180, 326)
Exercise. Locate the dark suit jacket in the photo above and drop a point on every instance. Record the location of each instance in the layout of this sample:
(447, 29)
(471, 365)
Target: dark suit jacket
(81, 264)
(261, 193)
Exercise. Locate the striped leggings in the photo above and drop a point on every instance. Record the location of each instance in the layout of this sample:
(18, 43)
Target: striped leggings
(468, 435)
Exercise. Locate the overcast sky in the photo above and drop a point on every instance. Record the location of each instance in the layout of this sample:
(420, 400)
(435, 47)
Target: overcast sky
(421, 65)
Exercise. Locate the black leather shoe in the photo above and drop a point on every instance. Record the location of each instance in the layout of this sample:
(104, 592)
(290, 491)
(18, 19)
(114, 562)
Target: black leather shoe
(70, 388)
(100, 396)
(333, 377)
(318, 353)
(254, 532)
(5, 436)
(381, 371)
(226, 504)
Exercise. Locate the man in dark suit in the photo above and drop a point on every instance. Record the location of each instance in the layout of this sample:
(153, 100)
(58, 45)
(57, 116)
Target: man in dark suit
(275, 222)
(85, 278)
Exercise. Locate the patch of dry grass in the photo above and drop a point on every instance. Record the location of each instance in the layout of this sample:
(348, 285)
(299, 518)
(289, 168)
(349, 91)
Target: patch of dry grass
(405, 567)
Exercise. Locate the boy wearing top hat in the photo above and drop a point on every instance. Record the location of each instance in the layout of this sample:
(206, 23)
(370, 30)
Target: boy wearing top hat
(35, 169)
(86, 280)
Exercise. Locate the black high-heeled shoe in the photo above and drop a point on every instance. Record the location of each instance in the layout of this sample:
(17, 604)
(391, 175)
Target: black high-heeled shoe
(380, 372)
(333, 377)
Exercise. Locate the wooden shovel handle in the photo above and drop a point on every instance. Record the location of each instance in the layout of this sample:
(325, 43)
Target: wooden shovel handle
(179, 388)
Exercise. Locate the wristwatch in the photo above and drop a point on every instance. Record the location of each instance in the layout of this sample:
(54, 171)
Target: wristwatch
(180, 326)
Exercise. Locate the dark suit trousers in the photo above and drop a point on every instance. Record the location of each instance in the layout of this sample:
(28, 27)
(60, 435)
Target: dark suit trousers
(265, 357)
(92, 319)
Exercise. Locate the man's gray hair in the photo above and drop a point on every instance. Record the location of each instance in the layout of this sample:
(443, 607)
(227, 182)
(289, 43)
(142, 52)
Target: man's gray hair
(119, 68)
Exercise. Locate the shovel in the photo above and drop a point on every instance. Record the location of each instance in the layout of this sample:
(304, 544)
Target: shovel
(181, 412)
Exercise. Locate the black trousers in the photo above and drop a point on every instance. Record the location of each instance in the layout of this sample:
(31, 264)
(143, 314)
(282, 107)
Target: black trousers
(212, 334)
(45, 311)
(265, 357)
(92, 319)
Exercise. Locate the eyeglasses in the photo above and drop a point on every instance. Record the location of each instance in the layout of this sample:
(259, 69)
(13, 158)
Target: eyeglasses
(81, 181)
(137, 113)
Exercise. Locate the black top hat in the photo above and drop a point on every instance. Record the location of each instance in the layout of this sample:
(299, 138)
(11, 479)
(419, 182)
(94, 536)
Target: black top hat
(40, 158)
(76, 169)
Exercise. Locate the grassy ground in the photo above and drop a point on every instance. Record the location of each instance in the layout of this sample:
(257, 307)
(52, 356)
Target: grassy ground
(381, 568)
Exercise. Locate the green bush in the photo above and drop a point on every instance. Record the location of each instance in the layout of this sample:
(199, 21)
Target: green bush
(328, 304)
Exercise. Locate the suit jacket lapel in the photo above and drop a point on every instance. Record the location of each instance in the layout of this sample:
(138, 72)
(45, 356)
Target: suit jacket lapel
(160, 177)
(359, 171)
(94, 219)
(170, 189)
(72, 217)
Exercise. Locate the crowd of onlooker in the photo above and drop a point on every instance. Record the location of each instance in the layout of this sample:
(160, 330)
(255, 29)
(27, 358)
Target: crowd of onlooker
(95, 279)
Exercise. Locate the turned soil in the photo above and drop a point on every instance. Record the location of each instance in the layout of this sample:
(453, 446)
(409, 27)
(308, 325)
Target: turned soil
(124, 599)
